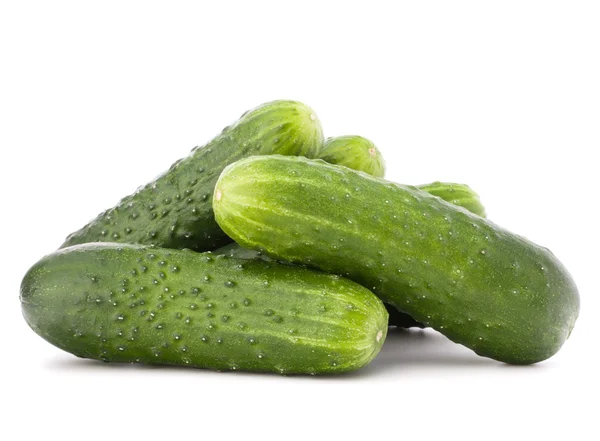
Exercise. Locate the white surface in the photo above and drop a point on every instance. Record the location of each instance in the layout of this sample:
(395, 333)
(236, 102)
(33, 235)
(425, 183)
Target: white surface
(98, 98)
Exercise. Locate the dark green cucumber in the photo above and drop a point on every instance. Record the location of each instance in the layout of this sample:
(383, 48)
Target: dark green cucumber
(133, 303)
(355, 152)
(458, 194)
(174, 211)
(480, 285)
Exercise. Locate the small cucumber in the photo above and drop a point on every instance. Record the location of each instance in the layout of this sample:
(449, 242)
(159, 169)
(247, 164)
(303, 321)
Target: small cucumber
(174, 211)
(458, 194)
(132, 303)
(480, 285)
(355, 152)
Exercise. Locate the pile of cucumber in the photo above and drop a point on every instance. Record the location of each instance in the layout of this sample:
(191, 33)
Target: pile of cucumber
(270, 249)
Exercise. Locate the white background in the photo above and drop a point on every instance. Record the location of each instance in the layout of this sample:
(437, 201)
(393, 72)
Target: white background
(97, 98)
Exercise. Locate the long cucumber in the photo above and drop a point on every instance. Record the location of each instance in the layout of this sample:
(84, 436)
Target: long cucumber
(175, 210)
(480, 285)
(133, 303)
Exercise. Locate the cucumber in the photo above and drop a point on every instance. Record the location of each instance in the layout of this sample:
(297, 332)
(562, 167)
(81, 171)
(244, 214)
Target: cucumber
(355, 152)
(491, 290)
(133, 303)
(458, 194)
(174, 211)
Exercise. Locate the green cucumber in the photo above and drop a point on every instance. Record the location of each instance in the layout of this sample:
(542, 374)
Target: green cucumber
(133, 303)
(493, 291)
(174, 211)
(458, 194)
(355, 152)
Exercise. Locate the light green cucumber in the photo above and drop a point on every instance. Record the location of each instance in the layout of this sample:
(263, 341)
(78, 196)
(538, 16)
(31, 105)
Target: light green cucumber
(133, 303)
(460, 195)
(355, 152)
(175, 211)
(480, 285)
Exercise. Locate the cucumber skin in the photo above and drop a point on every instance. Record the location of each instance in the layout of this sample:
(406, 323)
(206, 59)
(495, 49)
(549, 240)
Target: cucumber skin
(460, 195)
(493, 291)
(231, 314)
(355, 152)
(175, 211)
(457, 194)
(396, 318)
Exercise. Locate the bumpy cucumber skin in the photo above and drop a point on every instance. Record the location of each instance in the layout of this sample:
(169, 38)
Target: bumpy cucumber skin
(131, 303)
(355, 152)
(493, 291)
(174, 211)
(458, 194)
(396, 318)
